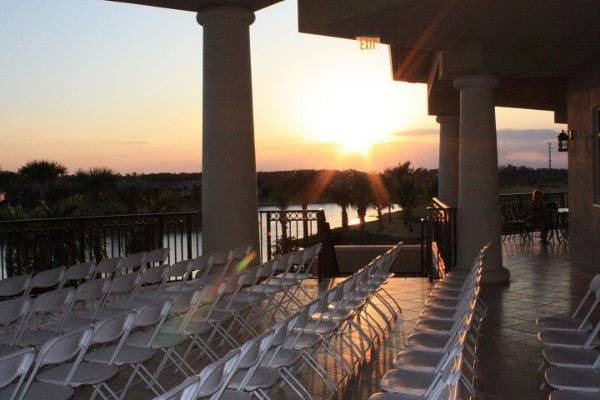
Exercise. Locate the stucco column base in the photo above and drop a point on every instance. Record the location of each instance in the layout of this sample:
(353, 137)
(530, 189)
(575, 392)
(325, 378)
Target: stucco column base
(478, 215)
(229, 194)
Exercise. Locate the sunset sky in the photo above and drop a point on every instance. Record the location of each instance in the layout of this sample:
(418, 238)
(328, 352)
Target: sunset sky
(95, 83)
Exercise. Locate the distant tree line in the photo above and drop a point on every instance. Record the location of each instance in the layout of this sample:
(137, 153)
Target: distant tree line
(43, 189)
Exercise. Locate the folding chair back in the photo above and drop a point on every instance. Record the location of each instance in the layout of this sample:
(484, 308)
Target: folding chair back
(156, 276)
(13, 313)
(15, 365)
(110, 329)
(203, 385)
(109, 266)
(132, 262)
(15, 285)
(180, 270)
(92, 290)
(53, 301)
(157, 257)
(200, 264)
(59, 350)
(125, 284)
(52, 278)
(80, 272)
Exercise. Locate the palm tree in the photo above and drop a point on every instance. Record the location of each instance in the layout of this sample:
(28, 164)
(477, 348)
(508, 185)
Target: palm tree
(404, 184)
(361, 196)
(96, 181)
(339, 192)
(42, 173)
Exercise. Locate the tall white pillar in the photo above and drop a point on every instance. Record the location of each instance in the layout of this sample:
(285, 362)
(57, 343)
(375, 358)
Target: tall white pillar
(229, 195)
(448, 159)
(478, 205)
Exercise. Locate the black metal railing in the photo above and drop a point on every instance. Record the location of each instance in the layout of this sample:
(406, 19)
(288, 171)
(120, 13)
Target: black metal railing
(515, 210)
(28, 246)
(284, 230)
(438, 230)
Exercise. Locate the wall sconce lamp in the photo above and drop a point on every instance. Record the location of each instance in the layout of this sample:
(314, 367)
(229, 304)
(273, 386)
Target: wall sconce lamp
(563, 140)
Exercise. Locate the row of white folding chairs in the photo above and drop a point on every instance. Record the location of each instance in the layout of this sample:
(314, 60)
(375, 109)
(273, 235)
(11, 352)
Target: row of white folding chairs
(185, 303)
(272, 357)
(570, 350)
(434, 362)
(99, 297)
(81, 272)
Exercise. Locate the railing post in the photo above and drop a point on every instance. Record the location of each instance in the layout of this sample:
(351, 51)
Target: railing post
(269, 235)
(189, 236)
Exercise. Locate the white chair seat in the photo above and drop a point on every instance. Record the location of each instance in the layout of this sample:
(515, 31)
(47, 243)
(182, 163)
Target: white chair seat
(263, 378)
(579, 379)
(87, 374)
(427, 342)
(235, 395)
(413, 383)
(40, 391)
(566, 357)
(439, 326)
(36, 338)
(283, 358)
(281, 282)
(295, 275)
(233, 306)
(436, 313)
(321, 327)
(163, 339)
(442, 303)
(192, 328)
(445, 395)
(346, 305)
(214, 316)
(305, 340)
(262, 289)
(562, 324)
(416, 360)
(245, 297)
(572, 339)
(332, 315)
(127, 355)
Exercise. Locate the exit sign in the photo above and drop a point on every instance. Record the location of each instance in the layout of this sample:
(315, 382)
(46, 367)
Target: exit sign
(368, 42)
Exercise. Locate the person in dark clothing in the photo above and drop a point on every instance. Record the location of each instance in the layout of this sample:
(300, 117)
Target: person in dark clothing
(539, 214)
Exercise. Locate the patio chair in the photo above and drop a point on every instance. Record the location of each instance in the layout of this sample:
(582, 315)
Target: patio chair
(13, 317)
(134, 262)
(207, 383)
(46, 317)
(570, 339)
(150, 317)
(573, 322)
(109, 266)
(52, 278)
(15, 286)
(55, 351)
(85, 373)
(13, 365)
(157, 257)
(88, 301)
(81, 272)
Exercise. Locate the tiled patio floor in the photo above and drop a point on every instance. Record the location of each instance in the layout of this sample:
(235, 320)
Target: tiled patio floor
(543, 282)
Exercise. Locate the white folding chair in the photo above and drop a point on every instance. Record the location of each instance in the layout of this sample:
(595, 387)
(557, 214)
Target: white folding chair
(13, 365)
(81, 272)
(15, 286)
(52, 278)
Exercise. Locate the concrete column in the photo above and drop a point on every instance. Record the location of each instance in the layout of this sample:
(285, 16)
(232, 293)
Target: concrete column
(478, 205)
(448, 159)
(229, 195)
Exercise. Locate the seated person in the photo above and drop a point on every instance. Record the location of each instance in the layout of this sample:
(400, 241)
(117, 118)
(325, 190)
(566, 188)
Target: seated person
(539, 214)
